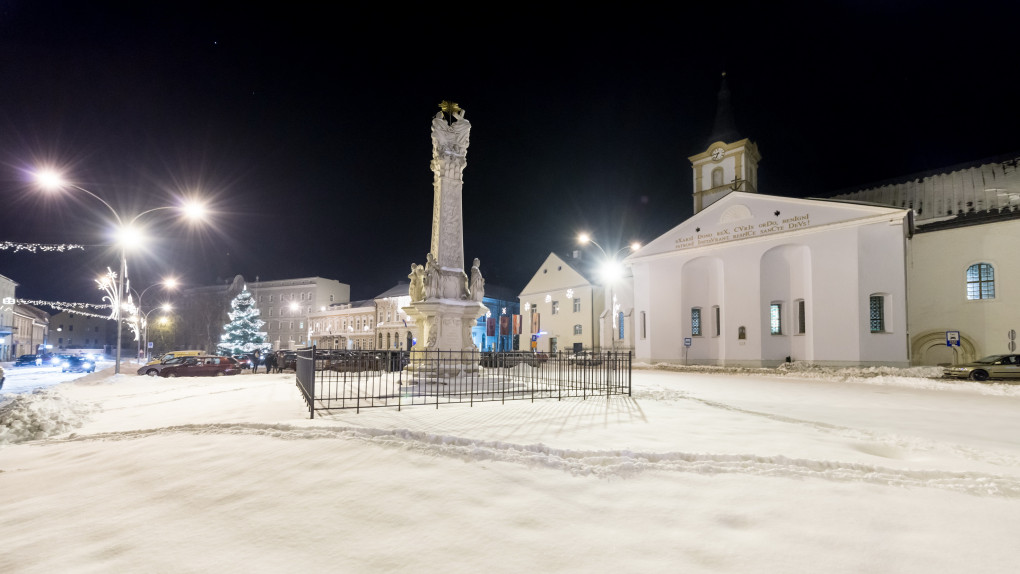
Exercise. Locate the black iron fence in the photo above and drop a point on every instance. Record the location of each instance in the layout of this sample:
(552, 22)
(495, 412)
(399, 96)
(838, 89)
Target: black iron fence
(333, 379)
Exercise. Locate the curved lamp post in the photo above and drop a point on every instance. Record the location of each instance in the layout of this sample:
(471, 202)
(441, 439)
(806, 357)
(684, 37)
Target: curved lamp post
(611, 272)
(126, 233)
(143, 318)
(165, 307)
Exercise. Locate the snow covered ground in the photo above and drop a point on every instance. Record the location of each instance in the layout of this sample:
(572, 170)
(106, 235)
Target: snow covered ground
(701, 470)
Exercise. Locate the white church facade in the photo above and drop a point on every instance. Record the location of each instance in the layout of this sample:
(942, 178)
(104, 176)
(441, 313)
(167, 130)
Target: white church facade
(757, 280)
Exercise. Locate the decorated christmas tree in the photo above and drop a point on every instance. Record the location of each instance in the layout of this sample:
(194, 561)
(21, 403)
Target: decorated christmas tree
(242, 336)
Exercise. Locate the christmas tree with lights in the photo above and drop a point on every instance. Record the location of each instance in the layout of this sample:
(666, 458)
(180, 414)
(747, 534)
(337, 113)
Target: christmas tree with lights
(242, 336)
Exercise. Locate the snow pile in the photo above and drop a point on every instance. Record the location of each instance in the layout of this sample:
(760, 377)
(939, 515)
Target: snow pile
(804, 369)
(39, 415)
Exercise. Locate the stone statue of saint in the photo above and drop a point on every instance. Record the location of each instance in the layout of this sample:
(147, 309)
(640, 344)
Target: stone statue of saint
(433, 288)
(477, 281)
(450, 138)
(417, 277)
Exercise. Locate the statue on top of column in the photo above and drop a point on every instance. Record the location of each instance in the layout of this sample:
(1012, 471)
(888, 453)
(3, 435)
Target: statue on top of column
(450, 131)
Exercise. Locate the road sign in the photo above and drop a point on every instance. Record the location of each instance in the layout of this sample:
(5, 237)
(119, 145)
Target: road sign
(952, 338)
(688, 341)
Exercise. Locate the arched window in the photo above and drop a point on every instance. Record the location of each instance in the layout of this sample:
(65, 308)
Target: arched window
(717, 174)
(981, 281)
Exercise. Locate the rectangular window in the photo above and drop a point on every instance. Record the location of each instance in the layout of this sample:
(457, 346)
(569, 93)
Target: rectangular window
(717, 320)
(775, 319)
(619, 317)
(70, 327)
(577, 329)
(644, 325)
(877, 307)
(555, 307)
(696, 321)
(577, 305)
(801, 319)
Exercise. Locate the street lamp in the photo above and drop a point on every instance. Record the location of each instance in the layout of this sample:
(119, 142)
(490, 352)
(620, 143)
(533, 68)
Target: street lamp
(611, 272)
(168, 283)
(127, 234)
(165, 307)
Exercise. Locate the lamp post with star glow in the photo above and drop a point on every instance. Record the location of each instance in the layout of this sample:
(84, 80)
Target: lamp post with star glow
(611, 271)
(126, 233)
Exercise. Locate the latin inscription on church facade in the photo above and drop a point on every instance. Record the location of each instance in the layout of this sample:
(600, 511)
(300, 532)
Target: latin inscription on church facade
(702, 237)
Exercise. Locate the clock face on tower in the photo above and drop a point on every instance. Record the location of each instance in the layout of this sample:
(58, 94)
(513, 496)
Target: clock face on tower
(717, 153)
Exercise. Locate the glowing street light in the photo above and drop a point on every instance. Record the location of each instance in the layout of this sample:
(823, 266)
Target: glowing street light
(166, 308)
(142, 319)
(126, 233)
(611, 271)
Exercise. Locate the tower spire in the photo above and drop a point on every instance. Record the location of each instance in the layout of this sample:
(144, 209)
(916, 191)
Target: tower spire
(724, 129)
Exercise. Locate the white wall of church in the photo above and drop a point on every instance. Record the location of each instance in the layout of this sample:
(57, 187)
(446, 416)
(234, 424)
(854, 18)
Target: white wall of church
(937, 283)
(833, 270)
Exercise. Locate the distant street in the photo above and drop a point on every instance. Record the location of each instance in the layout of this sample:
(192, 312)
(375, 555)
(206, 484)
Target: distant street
(28, 379)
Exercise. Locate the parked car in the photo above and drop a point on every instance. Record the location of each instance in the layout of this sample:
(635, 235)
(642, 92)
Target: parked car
(494, 359)
(289, 361)
(536, 359)
(28, 361)
(76, 364)
(153, 369)
(584, 358)
(200, 366)
(990, 367)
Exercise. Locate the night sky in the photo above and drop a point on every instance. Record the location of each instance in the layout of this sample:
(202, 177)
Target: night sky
(308, 129)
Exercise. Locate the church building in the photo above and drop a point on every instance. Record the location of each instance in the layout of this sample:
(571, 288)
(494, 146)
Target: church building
(914, 271)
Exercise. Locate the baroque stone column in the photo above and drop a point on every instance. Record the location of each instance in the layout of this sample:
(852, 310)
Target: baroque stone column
(441, 299)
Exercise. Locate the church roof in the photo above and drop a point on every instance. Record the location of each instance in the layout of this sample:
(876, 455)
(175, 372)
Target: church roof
(724, 129)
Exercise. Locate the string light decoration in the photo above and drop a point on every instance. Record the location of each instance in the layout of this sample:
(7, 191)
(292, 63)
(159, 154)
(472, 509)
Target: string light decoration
(63, 305)
(35, 247)
(242, 335)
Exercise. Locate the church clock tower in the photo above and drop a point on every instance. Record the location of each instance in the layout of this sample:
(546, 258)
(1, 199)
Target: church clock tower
(729, 163)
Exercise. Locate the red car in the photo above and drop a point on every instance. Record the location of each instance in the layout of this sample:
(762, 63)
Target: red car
(199, 366)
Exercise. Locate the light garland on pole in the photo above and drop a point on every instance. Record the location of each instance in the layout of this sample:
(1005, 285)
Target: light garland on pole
(34, 247)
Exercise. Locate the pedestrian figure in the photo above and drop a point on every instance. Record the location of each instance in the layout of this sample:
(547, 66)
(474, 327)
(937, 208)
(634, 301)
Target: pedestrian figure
(270, 363)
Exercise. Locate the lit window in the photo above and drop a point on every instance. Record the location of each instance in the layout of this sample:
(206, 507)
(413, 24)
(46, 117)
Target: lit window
(775, 319)
(696, 321)
(877, 313)
(981, 281)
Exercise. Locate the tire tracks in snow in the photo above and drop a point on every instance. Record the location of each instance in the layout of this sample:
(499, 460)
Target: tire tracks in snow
(600, 463)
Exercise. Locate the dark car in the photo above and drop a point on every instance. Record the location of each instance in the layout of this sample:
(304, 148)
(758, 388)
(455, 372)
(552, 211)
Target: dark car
(154, 369)
(28, 361)
(76, 364)
(200, 366)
